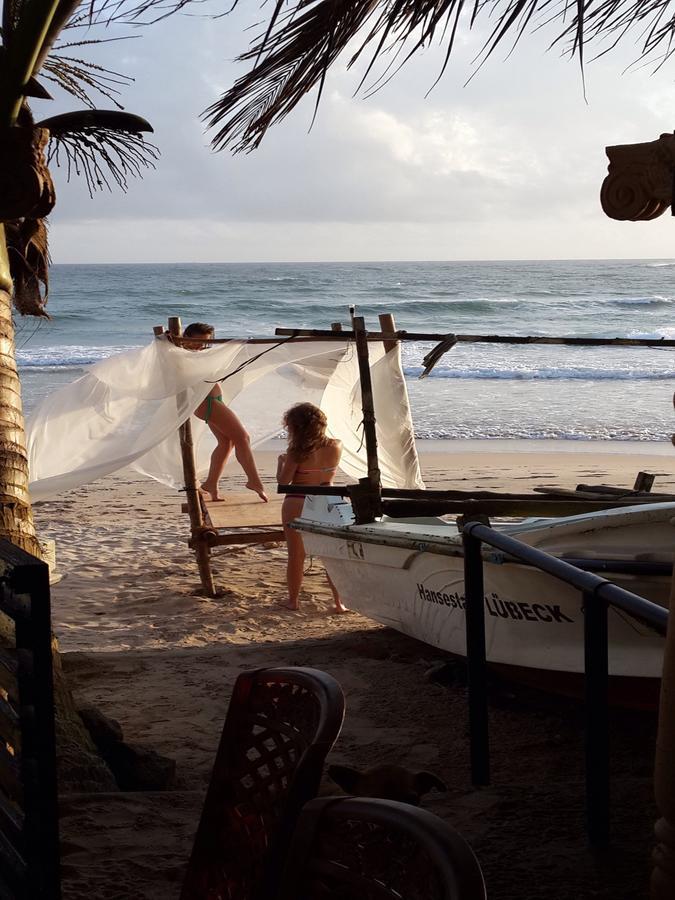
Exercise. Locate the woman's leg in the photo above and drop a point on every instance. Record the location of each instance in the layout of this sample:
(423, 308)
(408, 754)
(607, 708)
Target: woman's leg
(220, 455)
(291, 509)
(339, 605)
(295, 566)
(219, 458)
(226, 427)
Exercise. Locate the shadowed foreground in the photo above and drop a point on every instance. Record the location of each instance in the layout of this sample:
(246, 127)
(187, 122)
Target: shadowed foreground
(527, 829)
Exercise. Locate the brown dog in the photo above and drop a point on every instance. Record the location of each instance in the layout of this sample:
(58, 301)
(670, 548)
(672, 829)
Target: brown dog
(386, 782)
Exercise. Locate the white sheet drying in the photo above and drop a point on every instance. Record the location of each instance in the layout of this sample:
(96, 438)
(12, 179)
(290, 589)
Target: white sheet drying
(126, 410)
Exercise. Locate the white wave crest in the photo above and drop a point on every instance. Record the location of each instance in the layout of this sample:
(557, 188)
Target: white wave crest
(64, 357)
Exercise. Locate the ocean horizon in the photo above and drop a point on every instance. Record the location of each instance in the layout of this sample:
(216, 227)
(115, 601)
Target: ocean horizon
(348, 262)
(476, 391)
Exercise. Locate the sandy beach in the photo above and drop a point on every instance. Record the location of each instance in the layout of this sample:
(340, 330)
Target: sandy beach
(141, 643)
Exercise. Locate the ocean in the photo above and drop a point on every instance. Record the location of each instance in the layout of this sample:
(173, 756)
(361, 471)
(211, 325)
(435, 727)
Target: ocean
(477, 391)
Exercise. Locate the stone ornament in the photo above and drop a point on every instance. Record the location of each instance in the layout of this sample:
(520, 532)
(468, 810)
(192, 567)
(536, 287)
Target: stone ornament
(639, 184)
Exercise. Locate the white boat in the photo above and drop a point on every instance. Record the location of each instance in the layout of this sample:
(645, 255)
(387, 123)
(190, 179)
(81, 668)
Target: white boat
(533, 621)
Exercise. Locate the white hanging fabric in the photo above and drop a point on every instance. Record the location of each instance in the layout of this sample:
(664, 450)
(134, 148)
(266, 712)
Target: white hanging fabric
(396, 450)
(126, 410)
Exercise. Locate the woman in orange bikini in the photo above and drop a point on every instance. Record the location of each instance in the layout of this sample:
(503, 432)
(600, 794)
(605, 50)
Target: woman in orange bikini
(312, 458)
(228, 430)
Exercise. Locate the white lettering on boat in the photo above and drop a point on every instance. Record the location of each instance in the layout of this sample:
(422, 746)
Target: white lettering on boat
(495, 606)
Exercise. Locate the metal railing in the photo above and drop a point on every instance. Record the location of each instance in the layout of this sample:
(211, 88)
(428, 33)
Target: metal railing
(598, 594)
(29, 838)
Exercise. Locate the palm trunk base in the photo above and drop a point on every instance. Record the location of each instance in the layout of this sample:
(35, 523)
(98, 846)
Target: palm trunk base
(16, 525)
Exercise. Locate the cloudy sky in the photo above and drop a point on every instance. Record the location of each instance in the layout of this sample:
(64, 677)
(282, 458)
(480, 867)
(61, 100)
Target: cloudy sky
(506, 167)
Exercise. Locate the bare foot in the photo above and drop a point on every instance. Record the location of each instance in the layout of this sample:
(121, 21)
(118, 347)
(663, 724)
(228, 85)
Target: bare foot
(211, 494)
(257, 488)
(340, 607)
(294, 607)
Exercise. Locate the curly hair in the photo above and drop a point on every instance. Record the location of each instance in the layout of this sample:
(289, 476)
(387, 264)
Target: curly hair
(306, 425)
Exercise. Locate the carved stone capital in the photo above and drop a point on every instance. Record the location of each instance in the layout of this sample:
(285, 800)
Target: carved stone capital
(639, 184)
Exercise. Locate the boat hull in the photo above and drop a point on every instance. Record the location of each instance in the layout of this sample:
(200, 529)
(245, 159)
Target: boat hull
(532, 621)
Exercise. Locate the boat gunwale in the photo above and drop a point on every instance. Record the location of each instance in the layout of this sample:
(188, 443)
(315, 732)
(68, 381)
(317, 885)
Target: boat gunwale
(454, 549)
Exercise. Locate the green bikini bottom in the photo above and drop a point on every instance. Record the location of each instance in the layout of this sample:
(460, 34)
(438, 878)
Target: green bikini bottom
(209, 406)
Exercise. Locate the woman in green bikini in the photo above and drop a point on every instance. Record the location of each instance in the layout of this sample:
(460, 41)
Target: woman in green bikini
(228, 430)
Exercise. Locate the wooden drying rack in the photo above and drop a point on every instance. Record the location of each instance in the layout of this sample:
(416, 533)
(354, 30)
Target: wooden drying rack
(210, 529)
(211, 524)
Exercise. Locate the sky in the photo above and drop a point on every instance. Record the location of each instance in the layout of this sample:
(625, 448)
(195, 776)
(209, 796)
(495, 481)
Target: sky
(508, 166)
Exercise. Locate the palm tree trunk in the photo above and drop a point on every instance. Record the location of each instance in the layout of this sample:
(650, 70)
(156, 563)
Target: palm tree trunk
(16, 516)
(79, 765)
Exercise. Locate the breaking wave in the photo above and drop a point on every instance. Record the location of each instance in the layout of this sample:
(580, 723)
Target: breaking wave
(64, 357)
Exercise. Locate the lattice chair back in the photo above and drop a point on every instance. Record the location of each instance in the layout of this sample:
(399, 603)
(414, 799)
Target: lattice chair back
(280, 725)
(357, 847)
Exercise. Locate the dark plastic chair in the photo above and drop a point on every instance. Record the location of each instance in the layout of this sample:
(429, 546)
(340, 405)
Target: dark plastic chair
(280, 725)
(357, 847)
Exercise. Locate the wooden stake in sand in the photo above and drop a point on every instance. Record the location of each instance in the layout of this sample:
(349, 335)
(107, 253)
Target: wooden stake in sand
(194, 501)
(366, 496)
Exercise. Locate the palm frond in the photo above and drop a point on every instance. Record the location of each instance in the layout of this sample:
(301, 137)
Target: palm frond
(29, 265)
(303, 39)
(103, 146)
(11, 14)
(289, 61)
(65, 11)
(32, 88)
(136, 12)
(79, 77)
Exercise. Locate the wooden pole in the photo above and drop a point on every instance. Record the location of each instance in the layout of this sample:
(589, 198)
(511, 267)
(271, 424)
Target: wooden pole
(194, 503)
(366, 497)
(644, 482)
(308, 334)
(325, 334)
(388, 324)
(403, 509)
(367, 404)
(663, 874)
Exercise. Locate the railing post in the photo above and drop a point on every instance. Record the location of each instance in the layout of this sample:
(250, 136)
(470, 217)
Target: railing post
(475, 658)
(663, 873)
(596, 662)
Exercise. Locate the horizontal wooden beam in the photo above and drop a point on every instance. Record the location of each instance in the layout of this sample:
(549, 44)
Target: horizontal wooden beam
(401, 509)
(328, 335)
(425, 499)
(213, 538)
(301, 335)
